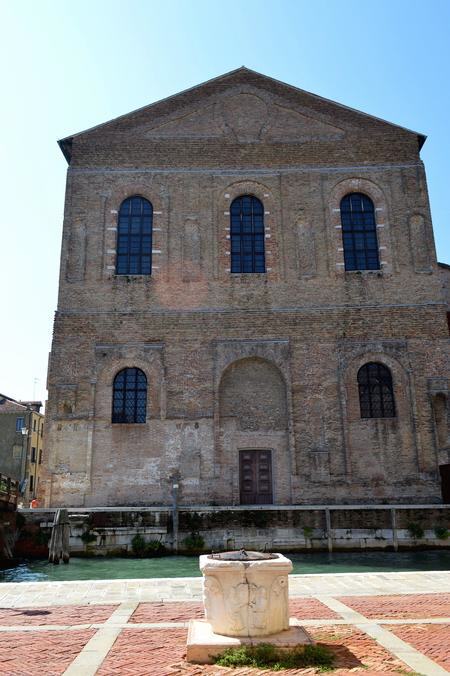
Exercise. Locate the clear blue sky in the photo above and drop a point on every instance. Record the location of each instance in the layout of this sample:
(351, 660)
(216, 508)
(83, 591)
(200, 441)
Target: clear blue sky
(68, 65)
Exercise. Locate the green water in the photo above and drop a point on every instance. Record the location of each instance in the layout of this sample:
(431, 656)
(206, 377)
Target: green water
(187, 566)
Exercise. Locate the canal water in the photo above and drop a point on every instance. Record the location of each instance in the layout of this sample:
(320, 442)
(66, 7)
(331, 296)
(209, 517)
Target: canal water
(100, 568)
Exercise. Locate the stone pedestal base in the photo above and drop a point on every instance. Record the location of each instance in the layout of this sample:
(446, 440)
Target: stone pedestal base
(203, 644)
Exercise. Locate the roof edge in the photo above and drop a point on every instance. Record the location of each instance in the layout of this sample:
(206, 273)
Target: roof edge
(64, 142)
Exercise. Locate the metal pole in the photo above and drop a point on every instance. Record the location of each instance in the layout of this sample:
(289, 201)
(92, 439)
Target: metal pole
(328, 527)
(394, 529)
(175, 486)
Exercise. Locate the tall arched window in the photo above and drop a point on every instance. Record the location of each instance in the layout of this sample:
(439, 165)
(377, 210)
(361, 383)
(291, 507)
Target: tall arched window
(134, 237)
(247, 235)
(376, 394)
(359, 233)
(129, 396)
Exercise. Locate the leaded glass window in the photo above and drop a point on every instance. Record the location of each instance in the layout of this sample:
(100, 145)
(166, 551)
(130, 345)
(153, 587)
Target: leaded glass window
(134, 237)
(359, 233)
(247, 235)
(129, 396)
(376, 394)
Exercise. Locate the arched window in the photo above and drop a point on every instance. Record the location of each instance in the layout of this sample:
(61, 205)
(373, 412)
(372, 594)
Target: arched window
(129, 396)
(359, 233)
(376, 394)
(247, 235)
(134, 237)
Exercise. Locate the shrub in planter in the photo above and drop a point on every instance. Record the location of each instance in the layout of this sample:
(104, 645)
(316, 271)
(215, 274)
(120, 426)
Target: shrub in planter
(138, 545)
(194, 542)
(154, 548)
(415, 530)
(442, 533)
(88, 536)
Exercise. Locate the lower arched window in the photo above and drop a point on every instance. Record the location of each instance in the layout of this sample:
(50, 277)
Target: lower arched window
(129, 396)
(376, 394)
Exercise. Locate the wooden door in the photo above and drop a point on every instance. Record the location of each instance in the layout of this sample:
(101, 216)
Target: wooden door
(445, 483)
(256, 477)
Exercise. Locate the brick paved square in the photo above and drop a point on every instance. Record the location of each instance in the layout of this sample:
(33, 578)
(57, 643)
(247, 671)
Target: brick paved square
(433, 640)
(45, 652)
(167, 612)
(161, 652)
(401, 606)
(141, 652)
(307, 609)
(356, 651)
(67, 615)
(311, 609)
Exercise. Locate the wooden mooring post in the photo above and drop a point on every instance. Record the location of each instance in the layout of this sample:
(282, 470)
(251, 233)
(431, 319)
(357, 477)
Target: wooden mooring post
(59, 541)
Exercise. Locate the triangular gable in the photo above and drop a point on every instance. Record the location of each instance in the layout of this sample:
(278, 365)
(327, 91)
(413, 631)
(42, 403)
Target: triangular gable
(223, 105)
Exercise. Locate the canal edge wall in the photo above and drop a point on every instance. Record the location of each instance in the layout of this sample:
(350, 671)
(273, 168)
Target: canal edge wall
(103, 531)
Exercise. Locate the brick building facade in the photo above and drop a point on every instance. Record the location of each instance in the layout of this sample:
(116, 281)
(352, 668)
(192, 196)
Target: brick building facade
(21, 447)
(263, 314)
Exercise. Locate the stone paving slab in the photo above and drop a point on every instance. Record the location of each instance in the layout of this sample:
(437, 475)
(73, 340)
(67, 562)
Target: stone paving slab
(84, 592)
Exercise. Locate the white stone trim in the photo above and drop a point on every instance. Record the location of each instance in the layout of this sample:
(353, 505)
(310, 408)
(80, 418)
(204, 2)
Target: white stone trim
(89, 660)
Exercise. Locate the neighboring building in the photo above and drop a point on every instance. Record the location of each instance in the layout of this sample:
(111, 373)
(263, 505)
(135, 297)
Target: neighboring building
(249, 306)
(21, 447)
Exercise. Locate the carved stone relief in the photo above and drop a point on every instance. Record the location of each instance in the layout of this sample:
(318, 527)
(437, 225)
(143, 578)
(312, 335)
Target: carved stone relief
(76, 255)
(306, 249)
(66, 398)
(419, 243)
(245, 115)
(191, 250)
(246, 599)
(320, 465)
